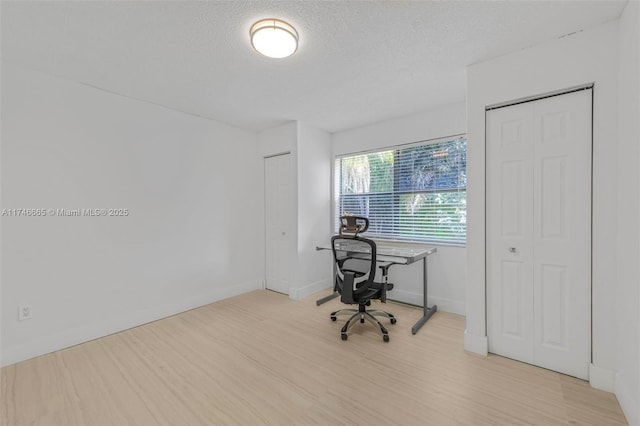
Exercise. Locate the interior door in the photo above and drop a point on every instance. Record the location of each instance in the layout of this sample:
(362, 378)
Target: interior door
(562, 232)
(278, 221)
(509, 230)
(539, 232)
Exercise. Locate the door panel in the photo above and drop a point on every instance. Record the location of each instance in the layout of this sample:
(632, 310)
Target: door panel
(553, 197)
(509, 228)
(539, 215)
(278, 214)
(512, 208)
(554, 307)
(562, 232)
(513, 287)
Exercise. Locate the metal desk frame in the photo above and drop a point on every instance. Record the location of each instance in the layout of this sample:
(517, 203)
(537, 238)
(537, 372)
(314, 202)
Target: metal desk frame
(396, 256)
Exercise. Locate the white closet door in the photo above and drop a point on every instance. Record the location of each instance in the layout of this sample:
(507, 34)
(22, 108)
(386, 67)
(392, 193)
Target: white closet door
(539, 259)
(562, 233)
(278, 220)
(510, 232)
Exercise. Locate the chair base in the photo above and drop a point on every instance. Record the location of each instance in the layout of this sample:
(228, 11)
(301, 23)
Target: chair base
(362, 314)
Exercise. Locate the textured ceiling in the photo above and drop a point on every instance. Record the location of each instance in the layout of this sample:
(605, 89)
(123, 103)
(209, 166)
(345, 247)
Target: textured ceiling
(358, 62)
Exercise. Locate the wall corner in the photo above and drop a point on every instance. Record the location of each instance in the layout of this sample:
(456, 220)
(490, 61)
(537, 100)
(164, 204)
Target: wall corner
(476, 344)
(626, 400)
(602, 378)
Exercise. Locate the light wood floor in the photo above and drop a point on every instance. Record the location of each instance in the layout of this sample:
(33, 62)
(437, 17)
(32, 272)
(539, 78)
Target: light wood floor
(261, 358)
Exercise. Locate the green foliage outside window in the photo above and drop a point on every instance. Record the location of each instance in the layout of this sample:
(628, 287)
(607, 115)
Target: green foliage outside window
(416, 193)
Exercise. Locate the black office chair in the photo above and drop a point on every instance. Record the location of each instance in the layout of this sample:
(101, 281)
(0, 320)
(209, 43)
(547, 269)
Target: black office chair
(355, 259)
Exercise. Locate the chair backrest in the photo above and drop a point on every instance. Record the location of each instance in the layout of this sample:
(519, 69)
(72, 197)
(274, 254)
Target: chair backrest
(355, 259)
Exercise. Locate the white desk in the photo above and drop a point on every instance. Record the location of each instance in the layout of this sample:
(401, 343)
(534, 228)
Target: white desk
(396, 255)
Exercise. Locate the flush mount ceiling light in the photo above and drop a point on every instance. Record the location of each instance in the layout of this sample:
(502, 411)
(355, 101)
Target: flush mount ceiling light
(274, 38)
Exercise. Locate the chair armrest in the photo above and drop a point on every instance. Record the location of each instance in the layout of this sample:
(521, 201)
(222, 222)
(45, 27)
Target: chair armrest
(383, 293)
(384, 266)
(347, 288)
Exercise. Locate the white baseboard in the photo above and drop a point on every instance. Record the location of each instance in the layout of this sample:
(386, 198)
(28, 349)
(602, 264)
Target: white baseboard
(445, 305)
(87, 332)
(308, 290)
(476, 344)
(627, 402)
(602, 378)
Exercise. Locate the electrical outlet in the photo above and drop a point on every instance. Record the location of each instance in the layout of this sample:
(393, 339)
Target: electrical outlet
(24, 312)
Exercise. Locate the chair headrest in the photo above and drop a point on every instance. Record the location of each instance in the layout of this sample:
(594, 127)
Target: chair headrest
(351, 226)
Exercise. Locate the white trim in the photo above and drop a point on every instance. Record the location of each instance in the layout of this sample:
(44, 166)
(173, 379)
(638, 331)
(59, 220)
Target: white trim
(308, 290)
(625, 398)
(401, 145)
(87, 332)
(602, 378)
(533, 98)
(278, 154)
(476, 344)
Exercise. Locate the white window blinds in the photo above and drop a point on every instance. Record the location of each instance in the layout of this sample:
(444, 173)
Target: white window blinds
(412, 193)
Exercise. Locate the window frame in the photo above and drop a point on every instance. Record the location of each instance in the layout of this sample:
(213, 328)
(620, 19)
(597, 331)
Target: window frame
(396, 192)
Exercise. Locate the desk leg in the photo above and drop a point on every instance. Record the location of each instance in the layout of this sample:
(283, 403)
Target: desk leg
(332, 295)
(427, 311)
(327, 298)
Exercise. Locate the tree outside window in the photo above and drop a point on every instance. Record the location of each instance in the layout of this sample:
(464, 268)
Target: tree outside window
(415, 193)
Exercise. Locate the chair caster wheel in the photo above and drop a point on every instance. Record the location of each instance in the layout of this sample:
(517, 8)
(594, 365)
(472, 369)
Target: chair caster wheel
(393, 321)
(361, 320)
(333, 318)
(344, 336)
(385, 337)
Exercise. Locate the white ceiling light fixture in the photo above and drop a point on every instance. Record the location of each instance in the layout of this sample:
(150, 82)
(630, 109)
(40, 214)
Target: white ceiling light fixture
(274, 38)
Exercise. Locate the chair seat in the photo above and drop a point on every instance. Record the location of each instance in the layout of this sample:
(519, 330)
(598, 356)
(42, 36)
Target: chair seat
(379, 286)
(373, 291)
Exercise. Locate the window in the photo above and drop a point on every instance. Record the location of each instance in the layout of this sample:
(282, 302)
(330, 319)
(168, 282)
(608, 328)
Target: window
(411, 193)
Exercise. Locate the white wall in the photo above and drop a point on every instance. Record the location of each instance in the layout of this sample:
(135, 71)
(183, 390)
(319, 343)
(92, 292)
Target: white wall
(314, 206)
(589, 56)
(190, 185)
(279, 140)
(627, 311)
(447, 267)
